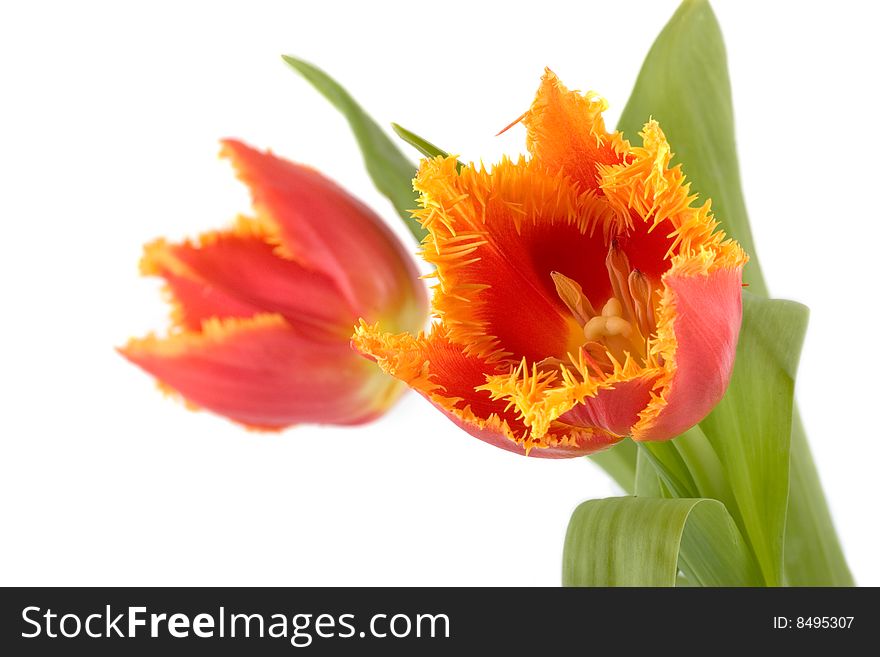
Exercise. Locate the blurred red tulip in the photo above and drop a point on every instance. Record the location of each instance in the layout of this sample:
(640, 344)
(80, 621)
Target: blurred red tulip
(263, 311)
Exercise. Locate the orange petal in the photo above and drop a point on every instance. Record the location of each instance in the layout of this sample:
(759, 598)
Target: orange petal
(236, 273)
(262, 373)
(566, 132)
(325, 229)
(701, 316)
(448, 377)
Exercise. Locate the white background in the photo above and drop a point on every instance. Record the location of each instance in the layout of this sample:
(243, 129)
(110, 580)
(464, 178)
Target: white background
(109, 121)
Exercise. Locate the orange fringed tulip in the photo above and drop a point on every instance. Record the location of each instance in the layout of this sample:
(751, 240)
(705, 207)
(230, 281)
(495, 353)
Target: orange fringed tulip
(581, 297)
(263, 312)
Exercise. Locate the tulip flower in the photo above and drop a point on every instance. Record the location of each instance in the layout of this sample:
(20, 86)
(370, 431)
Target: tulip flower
(263, 311)
(581, 296)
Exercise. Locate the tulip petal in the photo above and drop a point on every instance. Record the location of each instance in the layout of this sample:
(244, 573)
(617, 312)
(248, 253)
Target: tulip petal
(615, 409)
(261, 372)
(325, 229)
(235, 273)
(495, 237)
(566, 132)
(193, 301)
(443, 373)
(701, 313)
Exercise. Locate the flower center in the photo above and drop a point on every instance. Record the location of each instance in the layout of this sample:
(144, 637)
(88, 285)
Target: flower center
(624, 324)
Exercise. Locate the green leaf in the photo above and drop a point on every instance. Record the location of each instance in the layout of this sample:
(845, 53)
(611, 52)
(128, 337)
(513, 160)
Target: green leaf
(707, 470)
(422, 145)
(391, 171)
(634, 541)
(750, 429)
(685, 86)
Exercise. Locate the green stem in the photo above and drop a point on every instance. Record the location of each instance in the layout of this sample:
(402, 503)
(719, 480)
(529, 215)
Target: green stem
(671, 469)
(705, 467)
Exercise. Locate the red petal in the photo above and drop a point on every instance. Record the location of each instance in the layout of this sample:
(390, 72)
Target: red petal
(708, 314)
(264, 374)
(326, 229)
(522, 308)
(585, 441)
(195, 301)
(615, 409)
(236, 274)
(495, 238)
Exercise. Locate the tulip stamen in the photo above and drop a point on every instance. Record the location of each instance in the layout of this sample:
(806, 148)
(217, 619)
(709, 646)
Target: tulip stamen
(572, 295)
(618, 272)
(642, 295)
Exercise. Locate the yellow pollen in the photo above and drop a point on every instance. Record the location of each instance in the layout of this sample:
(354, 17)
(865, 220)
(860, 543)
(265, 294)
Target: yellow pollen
(612, 308)
(595, 329)
(618, 326)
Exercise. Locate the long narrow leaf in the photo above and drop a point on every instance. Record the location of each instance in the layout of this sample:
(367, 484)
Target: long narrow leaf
(421, 144)
(391, 171)
(631, 541)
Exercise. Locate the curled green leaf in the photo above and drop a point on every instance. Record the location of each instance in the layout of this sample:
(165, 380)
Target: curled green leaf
(634, 541)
